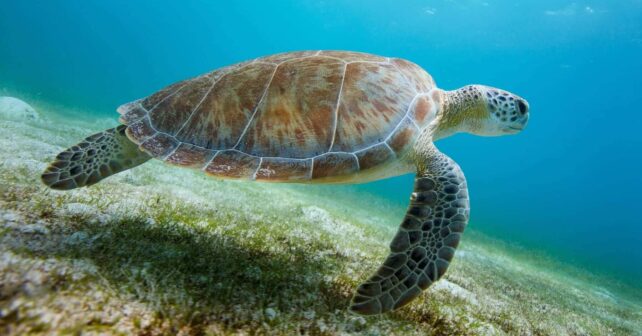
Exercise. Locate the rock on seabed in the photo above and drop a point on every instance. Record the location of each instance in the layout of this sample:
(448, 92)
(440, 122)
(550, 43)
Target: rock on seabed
(15, 109)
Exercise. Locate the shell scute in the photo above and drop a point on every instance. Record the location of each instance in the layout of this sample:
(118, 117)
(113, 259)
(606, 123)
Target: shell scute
(416, 76)
(191, 156)
(294, 120)
(179, 106)
(159, 145)
(351, 56)
(334, 164)
(131, 112)
(278, 170)
(135, 113)
(401, 139)
(233, 164)
(423, 109)
(371, 105)
(284, 57)
(140, 130)
(374, 156)
(152, 101)
(222, 116)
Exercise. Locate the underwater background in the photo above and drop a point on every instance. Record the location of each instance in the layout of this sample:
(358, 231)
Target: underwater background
(567, 188)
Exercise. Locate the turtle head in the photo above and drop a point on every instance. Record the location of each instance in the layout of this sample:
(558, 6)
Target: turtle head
(482, 110)
(507, 113)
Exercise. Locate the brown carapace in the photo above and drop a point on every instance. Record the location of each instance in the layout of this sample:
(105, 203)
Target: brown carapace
(312, 116)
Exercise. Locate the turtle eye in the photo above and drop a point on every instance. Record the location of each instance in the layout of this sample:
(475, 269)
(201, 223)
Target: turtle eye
(522, 106)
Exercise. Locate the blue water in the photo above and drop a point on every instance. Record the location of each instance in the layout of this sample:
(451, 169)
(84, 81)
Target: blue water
(569, 185)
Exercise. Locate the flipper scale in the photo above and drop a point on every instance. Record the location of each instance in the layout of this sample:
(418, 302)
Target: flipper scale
(426, 240)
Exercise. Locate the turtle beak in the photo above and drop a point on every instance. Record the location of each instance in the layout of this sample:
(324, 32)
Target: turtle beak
(518, 126)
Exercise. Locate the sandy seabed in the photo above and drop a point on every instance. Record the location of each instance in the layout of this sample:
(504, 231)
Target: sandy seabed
(163, 250)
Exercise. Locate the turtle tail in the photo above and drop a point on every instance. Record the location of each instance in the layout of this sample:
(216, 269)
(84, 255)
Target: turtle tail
(96, 157)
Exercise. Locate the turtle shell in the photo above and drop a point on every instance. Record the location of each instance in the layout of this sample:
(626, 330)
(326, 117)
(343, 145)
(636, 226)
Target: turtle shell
(297, 116)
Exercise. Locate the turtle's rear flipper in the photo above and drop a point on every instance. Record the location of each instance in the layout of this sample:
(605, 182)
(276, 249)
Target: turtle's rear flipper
(95, 158)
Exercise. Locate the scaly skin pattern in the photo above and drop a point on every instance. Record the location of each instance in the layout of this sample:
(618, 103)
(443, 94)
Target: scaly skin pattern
(439, 210)
(312, 116)
(466, 110)
(480, 110)
(425, 244)
(98, 156)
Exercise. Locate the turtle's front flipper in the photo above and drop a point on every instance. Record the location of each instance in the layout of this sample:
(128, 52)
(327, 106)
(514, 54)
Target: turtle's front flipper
(95, 158)
(425, 243)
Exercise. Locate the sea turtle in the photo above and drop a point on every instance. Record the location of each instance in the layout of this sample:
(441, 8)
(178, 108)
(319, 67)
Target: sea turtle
(316, 117)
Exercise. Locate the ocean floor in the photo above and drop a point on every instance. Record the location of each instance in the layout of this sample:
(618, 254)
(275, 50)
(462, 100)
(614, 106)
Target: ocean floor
(162, 250)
